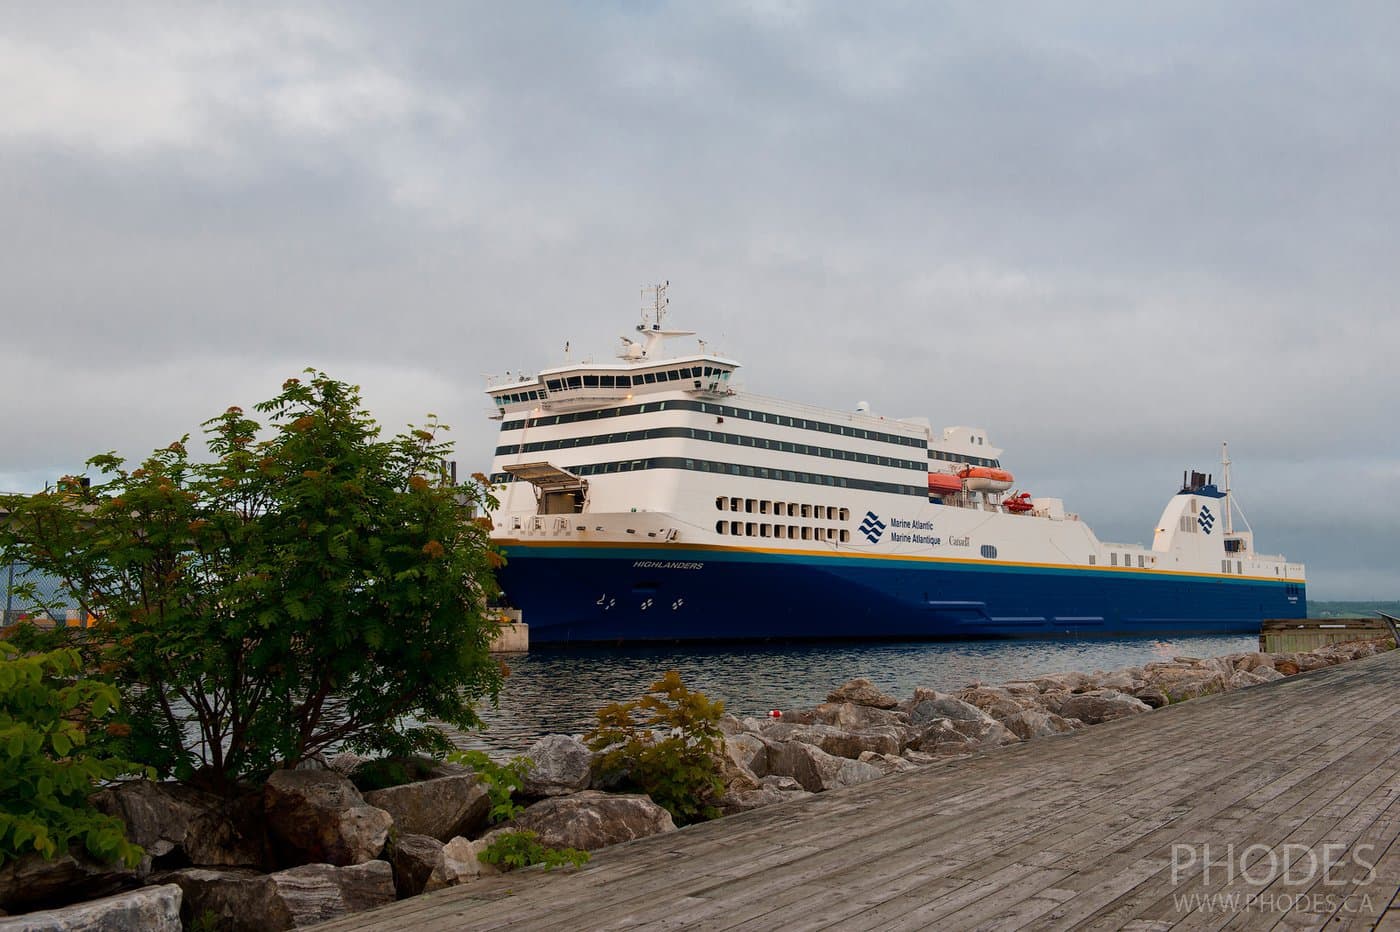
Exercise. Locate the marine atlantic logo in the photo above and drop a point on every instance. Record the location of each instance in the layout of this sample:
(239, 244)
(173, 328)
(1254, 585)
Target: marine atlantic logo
(872, 527)
(1206, 520)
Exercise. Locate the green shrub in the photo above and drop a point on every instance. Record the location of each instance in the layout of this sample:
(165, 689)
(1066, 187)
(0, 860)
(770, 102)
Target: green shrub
(311, 585)
(501, 780)
(49, 767)
(383, 772)
(666, 744)
(510, 850)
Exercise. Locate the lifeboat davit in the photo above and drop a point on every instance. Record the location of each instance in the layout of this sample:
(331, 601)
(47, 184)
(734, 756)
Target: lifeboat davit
(942, 483)
(986, 478)
(1018, 503)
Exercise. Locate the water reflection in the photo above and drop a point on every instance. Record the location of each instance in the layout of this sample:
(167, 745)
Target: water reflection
(559, 690)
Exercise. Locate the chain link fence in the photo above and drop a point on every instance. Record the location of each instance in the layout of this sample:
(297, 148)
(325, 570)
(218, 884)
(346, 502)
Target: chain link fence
(33, 596)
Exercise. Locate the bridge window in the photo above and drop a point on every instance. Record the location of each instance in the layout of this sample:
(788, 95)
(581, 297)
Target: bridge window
(719, 527)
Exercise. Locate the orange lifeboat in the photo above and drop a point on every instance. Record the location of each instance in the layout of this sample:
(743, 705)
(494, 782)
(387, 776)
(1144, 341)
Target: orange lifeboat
(986, 478)
(1018, 503)
(941, 483)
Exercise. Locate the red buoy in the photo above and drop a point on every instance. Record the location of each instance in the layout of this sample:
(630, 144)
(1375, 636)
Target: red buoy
(775, 714)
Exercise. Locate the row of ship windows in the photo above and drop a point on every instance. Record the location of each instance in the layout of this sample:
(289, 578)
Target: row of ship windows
(705, 407)
(713, 436)
(1127, 560)
(963, 458)
(731, 469)
(644, 378)
(790, 509)
(517, 397)
(782, 531)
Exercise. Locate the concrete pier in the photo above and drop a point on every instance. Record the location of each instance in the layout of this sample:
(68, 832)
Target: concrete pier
(1199, 815)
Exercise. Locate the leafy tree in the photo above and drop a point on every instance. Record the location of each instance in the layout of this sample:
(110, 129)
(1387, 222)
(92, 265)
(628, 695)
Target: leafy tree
(49, 767)
(667, 744)
(311, 585)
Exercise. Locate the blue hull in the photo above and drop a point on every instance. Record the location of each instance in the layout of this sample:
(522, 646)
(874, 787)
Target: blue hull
(622, 593)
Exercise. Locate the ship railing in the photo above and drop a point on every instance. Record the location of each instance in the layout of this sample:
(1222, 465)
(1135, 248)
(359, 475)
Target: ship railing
(850, 417)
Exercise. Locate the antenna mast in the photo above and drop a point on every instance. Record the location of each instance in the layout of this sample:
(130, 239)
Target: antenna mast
(1229, 510)
(658, 304)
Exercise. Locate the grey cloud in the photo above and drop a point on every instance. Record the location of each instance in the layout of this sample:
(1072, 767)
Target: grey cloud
(1113, 236)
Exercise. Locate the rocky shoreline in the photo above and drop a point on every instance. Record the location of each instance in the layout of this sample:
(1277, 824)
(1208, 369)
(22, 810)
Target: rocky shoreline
(308, 846)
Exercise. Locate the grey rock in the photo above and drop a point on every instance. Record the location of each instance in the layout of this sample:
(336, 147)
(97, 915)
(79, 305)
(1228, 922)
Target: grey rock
(417, 863)
(1151, 695)
(998, 703)
(177, 820)
(942, 706)
(1033, 724)
(862, 692)
(444, 807)
(1254, 660)
(765, 794)
(591, 820)
(246, 901)
(748, 751)
(730, 724)
(462, 861)
(1102, 706)
(817, 770)
(149, 909)
(317, 816)
(1070, 682)
(887, 763)
(345, 762)
(1243, 678)
(851, 744)
(985, 734)
(35, 882)
(854, 717)
(561, 765)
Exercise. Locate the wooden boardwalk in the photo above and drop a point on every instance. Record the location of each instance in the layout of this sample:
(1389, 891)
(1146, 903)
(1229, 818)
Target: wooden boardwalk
(1079, 831)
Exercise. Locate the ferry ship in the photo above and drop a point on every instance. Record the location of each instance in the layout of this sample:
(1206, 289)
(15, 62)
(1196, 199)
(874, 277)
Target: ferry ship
(651, 500)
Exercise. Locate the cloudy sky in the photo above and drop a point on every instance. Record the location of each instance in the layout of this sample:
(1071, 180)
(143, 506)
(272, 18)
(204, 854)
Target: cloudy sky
(1113, 234)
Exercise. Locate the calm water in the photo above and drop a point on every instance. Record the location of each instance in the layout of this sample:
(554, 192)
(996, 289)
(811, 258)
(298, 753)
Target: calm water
(557, 691)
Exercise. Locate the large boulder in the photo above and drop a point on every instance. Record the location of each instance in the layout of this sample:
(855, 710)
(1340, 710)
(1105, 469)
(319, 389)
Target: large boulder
(854, 717)
(988, 734)
(461, 858)
(590, 820)
(887, 763)
(1253, 661)
(851, 744)
(1151, 695)
(177, 823)
(1030, 723)
(771, 790)
(939, 738)
(1070, 682)
(35, 882)
(246, 901)
(996, 702)
(817, 770)
(862, 692)
(317, 816)
(417, 863)
(560, 765)
(1102, 706)
(444, 807)
(149, 909)
(940, 706)
(422, 864)
(748, 752)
